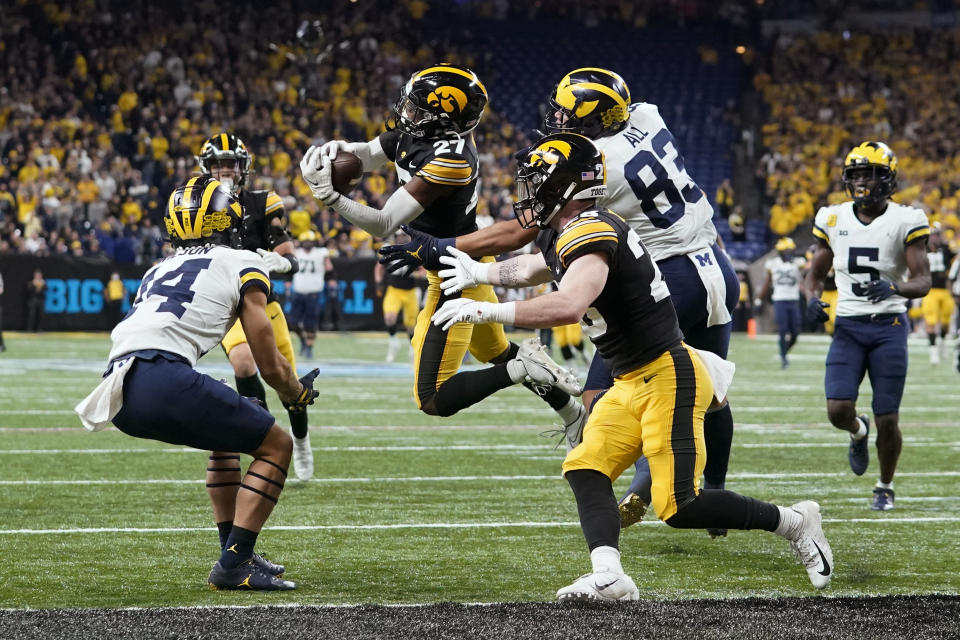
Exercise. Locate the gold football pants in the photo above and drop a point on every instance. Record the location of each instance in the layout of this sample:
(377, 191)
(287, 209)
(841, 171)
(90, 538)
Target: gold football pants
(439, 353)
(568, 335)
(280, 333)
(657, 411)
(937, 307)
(405, 300)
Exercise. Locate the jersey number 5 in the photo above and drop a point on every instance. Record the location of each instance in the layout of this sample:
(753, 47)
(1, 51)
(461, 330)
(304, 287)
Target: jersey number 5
(662, 214)
(175, 286)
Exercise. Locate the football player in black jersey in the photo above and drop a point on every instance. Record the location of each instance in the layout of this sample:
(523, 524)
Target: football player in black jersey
(437, 164)
(662, 388)
(225, 157)
(399, 293)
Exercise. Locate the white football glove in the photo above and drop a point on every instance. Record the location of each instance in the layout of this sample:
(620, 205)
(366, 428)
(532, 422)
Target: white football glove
(316, 171)
(466, 272)
(332, 148)
(276, 263)
(466, 310)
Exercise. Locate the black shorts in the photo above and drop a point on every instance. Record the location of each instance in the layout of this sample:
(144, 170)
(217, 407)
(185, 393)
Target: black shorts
(167, 400)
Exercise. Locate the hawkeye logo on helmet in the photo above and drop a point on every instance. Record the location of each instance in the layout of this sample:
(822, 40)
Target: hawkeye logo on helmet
(450, 99)
(550, 153)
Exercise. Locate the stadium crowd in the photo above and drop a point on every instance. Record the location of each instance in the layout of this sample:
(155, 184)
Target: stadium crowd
(829, 91)
(105, 107)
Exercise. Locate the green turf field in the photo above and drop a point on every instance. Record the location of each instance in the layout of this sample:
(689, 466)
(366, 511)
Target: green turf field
(406, 508)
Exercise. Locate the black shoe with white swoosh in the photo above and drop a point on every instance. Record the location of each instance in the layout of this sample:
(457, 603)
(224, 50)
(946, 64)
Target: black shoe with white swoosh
(811, 546)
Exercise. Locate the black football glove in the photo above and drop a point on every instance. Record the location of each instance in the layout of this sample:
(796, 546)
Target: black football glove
(307, 394)
(423, 249)
(877, 290)
(815, 311)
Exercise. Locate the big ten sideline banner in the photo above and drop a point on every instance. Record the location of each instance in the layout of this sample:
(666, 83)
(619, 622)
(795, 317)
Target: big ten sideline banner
(75, 290)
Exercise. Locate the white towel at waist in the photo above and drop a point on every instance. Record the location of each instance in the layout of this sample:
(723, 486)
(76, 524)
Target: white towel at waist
(714, 283)
(99, 408)
(721, 372)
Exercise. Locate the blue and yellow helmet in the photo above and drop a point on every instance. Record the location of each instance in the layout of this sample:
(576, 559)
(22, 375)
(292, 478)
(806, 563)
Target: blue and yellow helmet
(590, 101)
(203, 212)
(876, 162)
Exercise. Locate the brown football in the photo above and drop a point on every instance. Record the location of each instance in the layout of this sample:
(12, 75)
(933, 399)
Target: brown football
(346, 173)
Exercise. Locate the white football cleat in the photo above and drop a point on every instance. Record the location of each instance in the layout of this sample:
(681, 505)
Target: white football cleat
(605, 585)
(811, 546)
(303, 458)
(573, 430)
(541, 368)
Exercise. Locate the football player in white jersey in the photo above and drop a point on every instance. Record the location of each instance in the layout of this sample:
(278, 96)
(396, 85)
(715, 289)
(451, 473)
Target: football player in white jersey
(648, 185)
(783, 286)
(307, 285)
(871, 243)
(183, 308)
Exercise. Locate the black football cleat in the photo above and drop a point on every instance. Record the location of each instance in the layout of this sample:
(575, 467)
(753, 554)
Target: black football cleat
(266, 565)
(247, 577)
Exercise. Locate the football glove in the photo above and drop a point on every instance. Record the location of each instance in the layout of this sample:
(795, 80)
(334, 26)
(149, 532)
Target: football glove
(306, 395)
(423, 249)
(466, 272)
(332, 148)
(317, 173)
(467, 310)
(276, 263)
(815, 311)
(877, 290)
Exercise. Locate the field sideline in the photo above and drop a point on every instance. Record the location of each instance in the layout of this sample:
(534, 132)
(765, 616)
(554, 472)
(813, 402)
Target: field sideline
(406, 509)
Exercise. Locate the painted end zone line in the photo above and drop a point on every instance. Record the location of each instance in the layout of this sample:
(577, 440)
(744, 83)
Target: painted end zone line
(430, 525)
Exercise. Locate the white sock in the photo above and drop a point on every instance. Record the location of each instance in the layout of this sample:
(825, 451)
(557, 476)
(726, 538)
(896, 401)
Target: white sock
(569, 411)
(516, 370)
(790, 523)
(885, 485)
(861, 430)
(606, 560)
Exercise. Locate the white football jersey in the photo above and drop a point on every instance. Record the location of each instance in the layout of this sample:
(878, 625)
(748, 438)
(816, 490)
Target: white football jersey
(186, 302)
(865, 252)
(313, 271)
(648, 186)
(786, 277)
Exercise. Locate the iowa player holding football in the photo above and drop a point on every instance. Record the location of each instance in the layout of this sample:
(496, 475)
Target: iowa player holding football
(662, 388)
(226, 158)
(183, 308)
(649, 186)
(437, 165)
(871, 243)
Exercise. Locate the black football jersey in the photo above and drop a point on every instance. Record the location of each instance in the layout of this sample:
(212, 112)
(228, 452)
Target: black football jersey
(400, 282)
(632, 322)
(940, 260)
(452, 163)
(259, 208)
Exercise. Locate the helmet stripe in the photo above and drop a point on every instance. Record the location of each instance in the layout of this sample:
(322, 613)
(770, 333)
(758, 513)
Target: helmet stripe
(601, 88)
(224, 143)
(460, 72)
(208, 192)
(188, 191)
(606, 72)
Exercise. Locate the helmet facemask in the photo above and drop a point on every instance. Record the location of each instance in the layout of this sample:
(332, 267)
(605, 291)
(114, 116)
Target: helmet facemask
(869, 184)
(547, 179)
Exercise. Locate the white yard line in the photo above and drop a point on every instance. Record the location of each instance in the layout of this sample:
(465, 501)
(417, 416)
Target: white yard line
(423, 525)
(473, 478)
